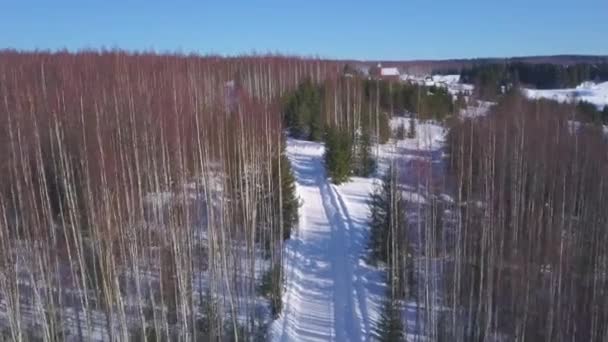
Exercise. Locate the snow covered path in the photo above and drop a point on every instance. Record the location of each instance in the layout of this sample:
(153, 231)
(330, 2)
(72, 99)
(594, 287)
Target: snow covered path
(330, 294)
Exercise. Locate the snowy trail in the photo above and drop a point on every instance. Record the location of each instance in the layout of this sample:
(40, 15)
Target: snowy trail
(326, 293)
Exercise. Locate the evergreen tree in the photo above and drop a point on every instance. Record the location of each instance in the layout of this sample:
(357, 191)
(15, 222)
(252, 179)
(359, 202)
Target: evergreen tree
(270, 288)
(338, 155)
(208, 323)
(588, 112)
(303, 117)
(290, 203)
(381, 216)
(378, 223)
(364, 164)
(390, 327)
(316, 125)
(461, 101)
(303, 112)
(411, 131)
(384, 129)
(605, 115)
(400, 133)
(388, 240)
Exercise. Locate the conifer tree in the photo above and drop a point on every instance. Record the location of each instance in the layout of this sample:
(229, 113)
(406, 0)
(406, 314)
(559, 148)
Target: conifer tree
(400, 133)
(411, 131)
(378, 222)
(390, 327)
(288, 196)
(271, 288)
(461, 101)
(303, 112)
(384, 129)
(338, 155)
(303, 117)
(364, 164)
(382, 215)
(388, 240)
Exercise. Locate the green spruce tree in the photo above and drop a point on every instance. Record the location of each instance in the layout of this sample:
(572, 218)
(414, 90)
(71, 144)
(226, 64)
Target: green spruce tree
(303, 112)
(303, 118)
(270, 288)
(364, 164)
(290, 203)
(384, 129)
(381, 216)
(388, 240)
(338, 155)
(400, 132)
(378, 224)
(461, 102)
(411, 131)
(390, 327)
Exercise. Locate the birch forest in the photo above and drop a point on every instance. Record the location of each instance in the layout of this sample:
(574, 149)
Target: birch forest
(161, 197)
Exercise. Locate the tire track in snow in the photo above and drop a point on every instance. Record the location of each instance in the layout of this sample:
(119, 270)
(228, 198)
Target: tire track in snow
(308, 297)
(360, 292)
(321, 303)
(347, 314)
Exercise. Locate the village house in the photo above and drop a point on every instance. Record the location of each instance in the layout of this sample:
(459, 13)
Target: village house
(385, 73)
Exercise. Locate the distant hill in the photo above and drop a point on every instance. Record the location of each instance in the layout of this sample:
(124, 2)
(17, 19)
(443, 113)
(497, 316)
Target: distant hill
(428, 66)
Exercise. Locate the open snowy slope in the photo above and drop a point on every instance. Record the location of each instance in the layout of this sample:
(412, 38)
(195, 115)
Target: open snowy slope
(331, 295)
(596, 94)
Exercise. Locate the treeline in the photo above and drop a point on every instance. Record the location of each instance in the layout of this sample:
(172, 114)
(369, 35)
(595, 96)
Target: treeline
(490, 77)
(350, 113)
(337, 113)
(528, 241)
(337, 102)
(143, 195)
(429, 103)
(354, 101)
(590, 113)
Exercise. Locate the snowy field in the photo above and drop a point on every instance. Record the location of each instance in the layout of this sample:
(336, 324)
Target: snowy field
(331, 293)
(596, 94)
(476, 109)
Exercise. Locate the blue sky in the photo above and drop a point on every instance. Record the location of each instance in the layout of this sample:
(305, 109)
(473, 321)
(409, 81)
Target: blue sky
(406, 29)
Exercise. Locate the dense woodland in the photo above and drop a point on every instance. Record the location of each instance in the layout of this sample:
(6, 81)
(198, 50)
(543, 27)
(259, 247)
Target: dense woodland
(490, 77)
(358, 102)
(148, 197)
(528, 244)
(351, 113)
(492, 80)
(590, 113)
(143, 193)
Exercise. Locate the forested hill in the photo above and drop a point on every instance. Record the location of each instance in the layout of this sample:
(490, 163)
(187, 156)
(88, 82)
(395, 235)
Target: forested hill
(456, 65)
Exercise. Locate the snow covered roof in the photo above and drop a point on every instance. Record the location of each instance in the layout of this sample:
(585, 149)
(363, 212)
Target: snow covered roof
(389, 72)
(449, 79)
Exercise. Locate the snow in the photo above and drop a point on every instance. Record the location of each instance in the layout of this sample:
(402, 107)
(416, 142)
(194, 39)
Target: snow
(477, 109)
(448, 79)
(389, 71)
(596, 94)
(429, 135)
(451, 82)
(458, 88)
(331, 293)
